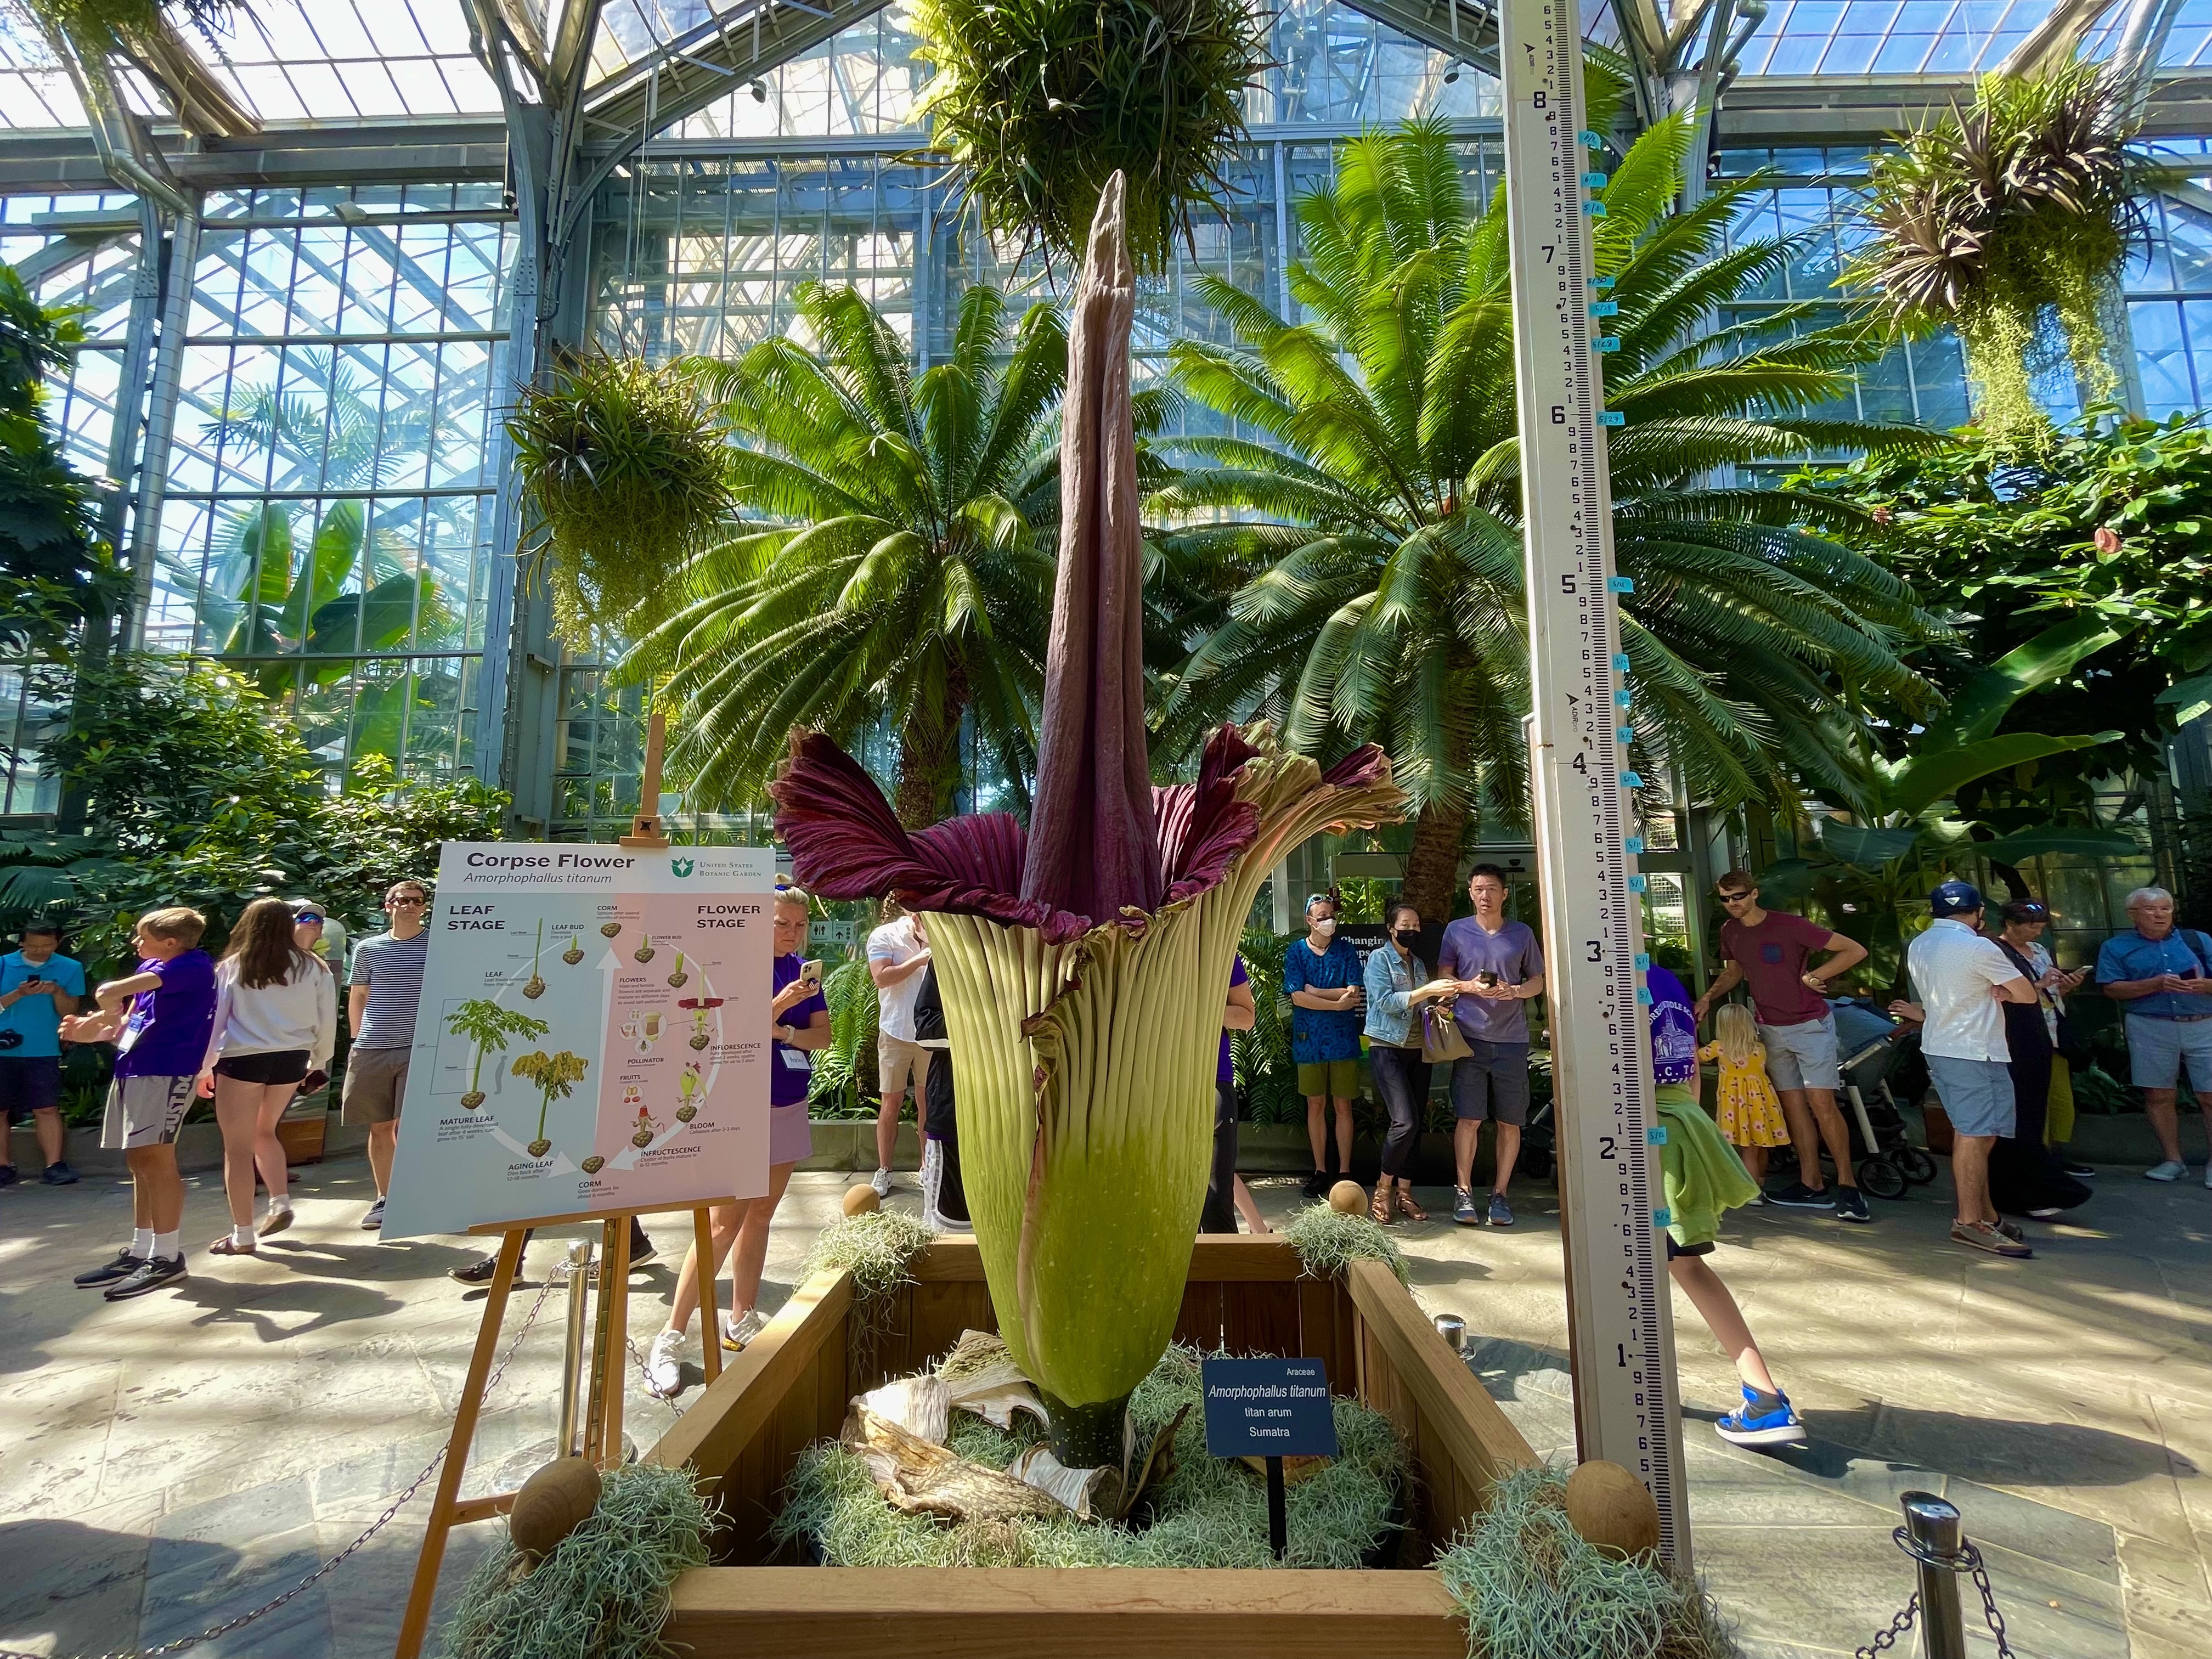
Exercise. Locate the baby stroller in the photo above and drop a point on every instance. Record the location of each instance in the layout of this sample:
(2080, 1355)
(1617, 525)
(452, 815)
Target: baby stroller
(1887, 1160)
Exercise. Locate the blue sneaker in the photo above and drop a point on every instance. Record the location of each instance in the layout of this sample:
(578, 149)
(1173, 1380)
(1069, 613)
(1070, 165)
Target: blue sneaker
(1463, 1210)
(1749, 1425)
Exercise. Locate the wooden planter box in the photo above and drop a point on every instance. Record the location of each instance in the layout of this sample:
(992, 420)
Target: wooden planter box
(1247, 1294)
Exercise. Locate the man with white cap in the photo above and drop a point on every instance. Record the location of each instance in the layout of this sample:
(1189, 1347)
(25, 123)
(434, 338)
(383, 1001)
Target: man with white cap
(1962, 977)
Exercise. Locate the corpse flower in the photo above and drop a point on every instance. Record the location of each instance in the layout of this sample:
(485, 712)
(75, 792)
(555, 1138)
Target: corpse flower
(1084, 962)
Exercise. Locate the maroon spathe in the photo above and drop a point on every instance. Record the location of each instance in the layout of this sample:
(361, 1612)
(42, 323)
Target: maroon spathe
(1093, 848)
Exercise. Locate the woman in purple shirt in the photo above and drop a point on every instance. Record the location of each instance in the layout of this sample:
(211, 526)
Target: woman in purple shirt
(801, 1024)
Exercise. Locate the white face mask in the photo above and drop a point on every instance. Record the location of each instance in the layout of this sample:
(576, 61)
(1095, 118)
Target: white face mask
(1325, 927)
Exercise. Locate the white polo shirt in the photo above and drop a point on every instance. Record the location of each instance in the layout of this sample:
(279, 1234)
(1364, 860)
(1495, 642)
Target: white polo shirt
(1953, 967)
(892, 944)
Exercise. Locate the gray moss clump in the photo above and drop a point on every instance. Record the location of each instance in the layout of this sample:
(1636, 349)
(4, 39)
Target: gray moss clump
(1209, 1512)
(876, 1248)
(603, 1593)
(1329, 1243)
(1533, 1588)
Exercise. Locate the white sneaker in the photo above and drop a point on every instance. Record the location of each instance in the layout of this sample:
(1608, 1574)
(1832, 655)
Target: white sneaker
(881, 1180)
(736, 1332)
(2173, 1169)
(664, 1364)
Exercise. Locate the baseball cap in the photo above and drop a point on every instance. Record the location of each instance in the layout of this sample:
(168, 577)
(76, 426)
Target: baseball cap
(1955, 898)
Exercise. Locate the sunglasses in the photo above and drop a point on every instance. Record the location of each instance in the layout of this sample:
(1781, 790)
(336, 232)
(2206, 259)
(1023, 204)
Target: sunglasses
(308, 918)
(402, 898)
(1733, 898)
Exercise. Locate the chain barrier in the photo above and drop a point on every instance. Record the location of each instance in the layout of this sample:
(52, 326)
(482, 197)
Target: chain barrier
(1963, 1559)
(215, 1631)
(1885, 1639)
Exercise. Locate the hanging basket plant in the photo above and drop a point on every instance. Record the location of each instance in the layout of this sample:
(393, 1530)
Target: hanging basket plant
(1042, 101)
(2010, 221)
(99, 26)
(628, 465)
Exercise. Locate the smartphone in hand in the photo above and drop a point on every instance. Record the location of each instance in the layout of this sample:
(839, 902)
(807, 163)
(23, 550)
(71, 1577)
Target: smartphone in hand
(811, 973)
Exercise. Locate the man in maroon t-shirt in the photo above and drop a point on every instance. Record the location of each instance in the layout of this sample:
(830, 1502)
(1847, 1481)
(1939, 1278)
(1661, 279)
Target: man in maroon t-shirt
(1769, 950)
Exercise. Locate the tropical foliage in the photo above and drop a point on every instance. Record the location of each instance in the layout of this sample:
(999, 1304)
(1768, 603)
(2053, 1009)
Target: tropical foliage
(1374, 517)
(894, 562)
(54, 573)
(2104, 522)
(1042, 101)
(1989, 218)
(198, 791)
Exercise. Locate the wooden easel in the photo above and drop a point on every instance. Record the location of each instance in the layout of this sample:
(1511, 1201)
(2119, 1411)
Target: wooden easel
(607, 1369)
(644, 827)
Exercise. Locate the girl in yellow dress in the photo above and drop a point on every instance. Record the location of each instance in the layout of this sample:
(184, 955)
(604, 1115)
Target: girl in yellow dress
(1748, 1110)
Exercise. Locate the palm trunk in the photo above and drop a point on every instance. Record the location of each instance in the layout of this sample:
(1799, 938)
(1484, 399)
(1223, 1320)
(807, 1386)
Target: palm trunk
(1432, 864)
(929, 755)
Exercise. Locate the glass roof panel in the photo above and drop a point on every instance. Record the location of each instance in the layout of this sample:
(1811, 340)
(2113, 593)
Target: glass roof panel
(2189, 45)
(33, 90)
(1885, 37)
(300, 60)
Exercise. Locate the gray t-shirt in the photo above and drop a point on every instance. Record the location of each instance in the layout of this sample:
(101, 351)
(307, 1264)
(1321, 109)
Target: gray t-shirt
(392, 970)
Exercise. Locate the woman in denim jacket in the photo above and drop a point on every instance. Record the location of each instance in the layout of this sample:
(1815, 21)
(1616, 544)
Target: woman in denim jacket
(1398, 983)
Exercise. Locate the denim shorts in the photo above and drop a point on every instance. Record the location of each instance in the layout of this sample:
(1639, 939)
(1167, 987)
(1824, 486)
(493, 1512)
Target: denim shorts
(1493, 1082)
(1802, 1056)
(2157, 1048)
(1977, 1094)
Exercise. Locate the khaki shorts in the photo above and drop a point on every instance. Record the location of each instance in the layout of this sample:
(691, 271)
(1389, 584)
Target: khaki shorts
(897, 1060)
(145, 1111)
(1336, 1079)
(375, 1080)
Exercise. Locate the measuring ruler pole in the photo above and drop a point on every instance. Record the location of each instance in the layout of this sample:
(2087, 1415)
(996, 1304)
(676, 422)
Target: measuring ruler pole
(1619, 1316)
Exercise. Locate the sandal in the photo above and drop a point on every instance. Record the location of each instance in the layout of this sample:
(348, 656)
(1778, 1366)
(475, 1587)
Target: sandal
(1407, 1208)
(1381, 1210)
(223, 1245)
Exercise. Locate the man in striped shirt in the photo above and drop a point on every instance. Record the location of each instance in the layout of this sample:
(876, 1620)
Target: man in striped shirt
(382, 991)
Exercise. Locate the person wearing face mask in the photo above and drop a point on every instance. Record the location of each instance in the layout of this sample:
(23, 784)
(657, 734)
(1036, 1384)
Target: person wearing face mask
(1321, 977)
(1398, 983)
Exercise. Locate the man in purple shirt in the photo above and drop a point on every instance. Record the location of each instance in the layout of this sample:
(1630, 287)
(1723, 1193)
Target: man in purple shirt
(159, 1019)
(1500, 967)
(1770, 950)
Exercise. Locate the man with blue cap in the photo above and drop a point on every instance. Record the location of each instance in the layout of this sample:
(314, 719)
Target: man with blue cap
(1962, 977)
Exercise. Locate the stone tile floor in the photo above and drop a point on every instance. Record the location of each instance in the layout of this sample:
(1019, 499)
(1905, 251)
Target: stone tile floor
(168, 1463)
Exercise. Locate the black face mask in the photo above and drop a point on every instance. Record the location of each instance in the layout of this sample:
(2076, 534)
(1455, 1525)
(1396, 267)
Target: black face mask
(1408, 937)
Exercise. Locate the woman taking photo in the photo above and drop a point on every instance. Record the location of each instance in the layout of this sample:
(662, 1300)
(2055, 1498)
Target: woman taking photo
(1320, 976)
(2026, 1178)
(800, 1022)
(1398, 983)
(275, 1021)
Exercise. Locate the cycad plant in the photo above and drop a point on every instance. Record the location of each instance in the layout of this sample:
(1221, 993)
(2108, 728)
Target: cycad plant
(1994, 218)
(888, 566)
(1375, 531)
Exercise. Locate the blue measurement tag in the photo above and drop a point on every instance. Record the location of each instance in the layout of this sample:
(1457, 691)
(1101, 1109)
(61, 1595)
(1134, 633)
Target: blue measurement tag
(1593, 181)
(1600, 283)
(1643, 995)
(1607, 343)
(1622, 698)
(1621, 584)
(1631, 779)
(1662, 1218)
(1590, 140)
(1268, 1408)
(1636, 884)
(1655, 1135)
(1613, 417)
(1624, 735)
(1595, 209)
(1635, 844)
(1621, 662)
(1643, 957)
(1605, 308)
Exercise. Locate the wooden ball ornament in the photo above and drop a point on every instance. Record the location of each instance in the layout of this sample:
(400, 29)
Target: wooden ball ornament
(1610, 1507)
(862, 1199)
(552, 1503)
(1348, 1198)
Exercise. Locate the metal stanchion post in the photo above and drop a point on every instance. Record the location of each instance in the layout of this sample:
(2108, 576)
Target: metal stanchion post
(1934, 1539)
(1453, 1329)
(572, 1364)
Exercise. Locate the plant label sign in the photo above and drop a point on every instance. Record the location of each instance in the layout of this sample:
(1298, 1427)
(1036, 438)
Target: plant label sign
(592, 1035)
(1268, 1408)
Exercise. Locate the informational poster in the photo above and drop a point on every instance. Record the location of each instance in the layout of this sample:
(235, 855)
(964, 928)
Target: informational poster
(593, 1036)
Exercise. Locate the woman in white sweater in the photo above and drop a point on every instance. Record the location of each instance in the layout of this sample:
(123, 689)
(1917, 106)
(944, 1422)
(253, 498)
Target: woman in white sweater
(276, 1021)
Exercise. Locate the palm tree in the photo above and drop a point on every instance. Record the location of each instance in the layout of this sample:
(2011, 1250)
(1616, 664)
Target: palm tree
(1375, 538)
(893, 561)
